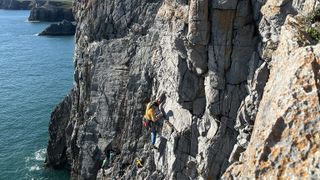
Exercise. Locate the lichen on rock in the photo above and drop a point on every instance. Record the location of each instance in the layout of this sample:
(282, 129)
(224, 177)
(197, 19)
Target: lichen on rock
(218, 62)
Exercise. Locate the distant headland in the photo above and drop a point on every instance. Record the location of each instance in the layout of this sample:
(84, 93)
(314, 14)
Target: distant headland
(46, 11)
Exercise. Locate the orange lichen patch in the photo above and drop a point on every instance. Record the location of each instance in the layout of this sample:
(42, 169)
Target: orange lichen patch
(307, 144)
(314, 150)
(264, 165)
(301, 144)
(286, 132)
(238, 168)
(275, 151)
(292, 98)
(281, 171)
(299, 170)
(270, 10)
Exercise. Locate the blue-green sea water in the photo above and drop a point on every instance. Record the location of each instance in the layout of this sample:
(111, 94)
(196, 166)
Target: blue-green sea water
(35, 75)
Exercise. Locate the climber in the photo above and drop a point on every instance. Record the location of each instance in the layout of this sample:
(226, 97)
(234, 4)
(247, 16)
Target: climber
(107, 160)
(105, 164)
(138, 163)
(154, 112)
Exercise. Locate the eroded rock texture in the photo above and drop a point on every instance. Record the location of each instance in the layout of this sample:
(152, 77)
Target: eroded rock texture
(16, 5)
(212, 60)
(285, 139)
(63, 28)
(51, 11)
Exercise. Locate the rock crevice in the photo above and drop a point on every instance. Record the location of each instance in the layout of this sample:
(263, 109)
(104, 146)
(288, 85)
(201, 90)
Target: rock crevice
(214, 60)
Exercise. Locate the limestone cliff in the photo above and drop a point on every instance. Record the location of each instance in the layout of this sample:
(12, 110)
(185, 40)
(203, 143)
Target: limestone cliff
(215, 61)
(287, 127)
(16, 4)
(51, 11)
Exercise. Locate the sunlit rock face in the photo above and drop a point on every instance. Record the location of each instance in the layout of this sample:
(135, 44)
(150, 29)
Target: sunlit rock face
(285, 138)
(223, 66)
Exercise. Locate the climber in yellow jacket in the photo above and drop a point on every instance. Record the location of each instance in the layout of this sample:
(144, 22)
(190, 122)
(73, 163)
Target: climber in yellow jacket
(153, 113)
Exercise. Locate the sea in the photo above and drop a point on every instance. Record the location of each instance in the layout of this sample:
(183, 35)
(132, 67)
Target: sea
(35, 74)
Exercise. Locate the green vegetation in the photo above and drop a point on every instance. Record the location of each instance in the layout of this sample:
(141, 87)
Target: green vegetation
(313, 25)
(314, 16)
(314, 33)
(23, 0)
(60, 3)
(52, 0)
(64, 4)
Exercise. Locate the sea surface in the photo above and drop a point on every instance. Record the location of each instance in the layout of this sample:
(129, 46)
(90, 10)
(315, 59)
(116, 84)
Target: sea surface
(35, 75)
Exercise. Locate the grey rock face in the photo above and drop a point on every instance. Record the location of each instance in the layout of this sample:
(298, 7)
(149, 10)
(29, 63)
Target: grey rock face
(132, 52)
(16, 5)
(286, 106)
(64, 28)
(58, 133)
(51, 11)
(209, 57)
(225, 4)
(272, 18)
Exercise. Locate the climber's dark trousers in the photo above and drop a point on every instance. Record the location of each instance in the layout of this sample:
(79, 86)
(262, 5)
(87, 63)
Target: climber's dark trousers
(153, 136)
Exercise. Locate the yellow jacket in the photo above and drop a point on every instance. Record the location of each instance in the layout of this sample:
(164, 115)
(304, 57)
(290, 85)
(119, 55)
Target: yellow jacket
(150, 112)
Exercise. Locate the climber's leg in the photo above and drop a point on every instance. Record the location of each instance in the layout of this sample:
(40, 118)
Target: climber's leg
(153, 137)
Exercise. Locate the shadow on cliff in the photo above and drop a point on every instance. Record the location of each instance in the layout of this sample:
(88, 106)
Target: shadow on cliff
(169, 114)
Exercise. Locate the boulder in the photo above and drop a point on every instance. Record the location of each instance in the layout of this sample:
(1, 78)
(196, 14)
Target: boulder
(64, 28)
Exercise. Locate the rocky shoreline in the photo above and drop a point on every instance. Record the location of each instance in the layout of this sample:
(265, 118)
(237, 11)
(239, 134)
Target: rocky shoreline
(46, 11)
(54, 11)
(63, 28)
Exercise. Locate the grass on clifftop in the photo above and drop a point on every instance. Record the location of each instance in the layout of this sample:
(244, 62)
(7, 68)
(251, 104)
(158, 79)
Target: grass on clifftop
(314, 33)
(314, 16)
(49, 0)
(313, 25)
(63, 3)
(60, 3)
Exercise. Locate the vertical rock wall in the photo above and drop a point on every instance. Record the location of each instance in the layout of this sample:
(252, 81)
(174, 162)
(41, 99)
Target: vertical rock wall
(51, 11)
(285, 139)
(211, 58)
